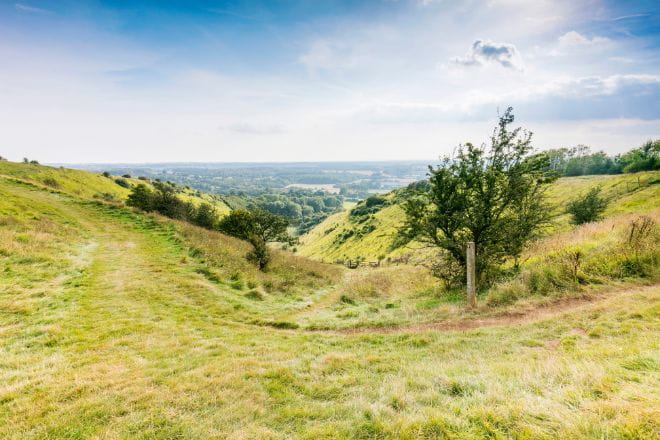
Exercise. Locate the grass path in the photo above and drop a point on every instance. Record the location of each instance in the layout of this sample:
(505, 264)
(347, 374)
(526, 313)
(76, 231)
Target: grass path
(127, 341)
(552, 311)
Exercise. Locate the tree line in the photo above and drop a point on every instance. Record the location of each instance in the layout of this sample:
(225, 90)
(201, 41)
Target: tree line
(579, 161)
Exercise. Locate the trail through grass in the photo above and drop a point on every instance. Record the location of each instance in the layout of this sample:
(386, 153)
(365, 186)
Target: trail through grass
(108, 330)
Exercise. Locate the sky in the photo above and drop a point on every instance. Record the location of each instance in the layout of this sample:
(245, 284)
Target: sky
(312, 80)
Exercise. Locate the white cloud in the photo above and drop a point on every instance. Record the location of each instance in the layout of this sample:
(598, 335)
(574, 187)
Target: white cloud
(574, 41)
(488, 52)
(32, 9)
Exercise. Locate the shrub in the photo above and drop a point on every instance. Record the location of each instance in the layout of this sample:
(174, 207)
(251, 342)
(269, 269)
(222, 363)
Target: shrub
(141, 197)
(588, 208)
(123, 183)
(205, 216)
(49, 181)
(259, 254)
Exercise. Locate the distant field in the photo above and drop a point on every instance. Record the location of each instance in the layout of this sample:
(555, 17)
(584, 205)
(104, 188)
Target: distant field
(329, 188)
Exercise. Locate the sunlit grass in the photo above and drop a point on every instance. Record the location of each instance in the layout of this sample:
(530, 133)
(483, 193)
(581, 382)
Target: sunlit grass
(109, 328)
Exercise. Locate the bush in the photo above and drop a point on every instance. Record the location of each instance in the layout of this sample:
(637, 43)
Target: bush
(141, 197)
(49, 181)
(123, 183)
(588, 208)
(205, 216)
(259, 254)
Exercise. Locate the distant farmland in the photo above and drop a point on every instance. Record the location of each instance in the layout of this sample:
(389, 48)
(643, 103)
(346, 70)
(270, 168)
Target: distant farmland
(326, 187)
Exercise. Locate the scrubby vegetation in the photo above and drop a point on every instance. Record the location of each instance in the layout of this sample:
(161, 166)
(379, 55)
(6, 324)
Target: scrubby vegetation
(615, 250)
(587, 208)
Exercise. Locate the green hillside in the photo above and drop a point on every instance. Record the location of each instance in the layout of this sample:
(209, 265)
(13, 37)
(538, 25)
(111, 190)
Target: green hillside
(116, 324)
(343, 236)
(89, 185)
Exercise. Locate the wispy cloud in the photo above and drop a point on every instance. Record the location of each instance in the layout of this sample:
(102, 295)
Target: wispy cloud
(489, 52)
(573, 41)
(251, 128)
(31, 9)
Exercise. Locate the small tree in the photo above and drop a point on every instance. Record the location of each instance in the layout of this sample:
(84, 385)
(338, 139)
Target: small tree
(258, 227)
(492, 195)
(205, 216)
(588, 208)
(141, 197)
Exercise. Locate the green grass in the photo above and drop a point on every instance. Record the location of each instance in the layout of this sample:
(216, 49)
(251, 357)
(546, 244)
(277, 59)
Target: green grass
(111, 327)
(88, 185)
(639, 193)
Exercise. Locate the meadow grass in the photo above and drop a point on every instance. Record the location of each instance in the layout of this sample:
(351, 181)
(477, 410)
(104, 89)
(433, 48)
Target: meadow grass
(109, 329)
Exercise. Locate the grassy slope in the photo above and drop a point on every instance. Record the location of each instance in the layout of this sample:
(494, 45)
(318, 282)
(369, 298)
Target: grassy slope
(109, 330)
(628, 193)
(85, 184)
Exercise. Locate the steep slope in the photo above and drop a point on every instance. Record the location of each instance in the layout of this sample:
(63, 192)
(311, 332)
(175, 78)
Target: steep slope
(343, 236)
(109, 329)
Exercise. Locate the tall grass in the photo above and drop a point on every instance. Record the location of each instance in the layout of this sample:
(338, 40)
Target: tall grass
(225, 257)
(612, 250)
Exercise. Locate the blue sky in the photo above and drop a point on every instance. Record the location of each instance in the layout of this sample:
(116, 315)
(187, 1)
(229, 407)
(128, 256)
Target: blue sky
(135, 81)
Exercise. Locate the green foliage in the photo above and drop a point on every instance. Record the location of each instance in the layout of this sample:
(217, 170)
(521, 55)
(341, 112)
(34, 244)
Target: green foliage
(164, 201)
(588, 208)
(141, 197)
(49, 181)
(580, 161)
(258, 227)
(259, 254)
(370, 205)
(645, 158)
(490, 195)
(205, 216)
(123, 183)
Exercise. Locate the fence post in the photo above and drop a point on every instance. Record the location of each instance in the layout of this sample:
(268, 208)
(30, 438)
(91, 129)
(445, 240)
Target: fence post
(471, 274)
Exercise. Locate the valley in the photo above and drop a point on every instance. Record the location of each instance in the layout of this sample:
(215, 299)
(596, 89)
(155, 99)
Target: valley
(118, 324)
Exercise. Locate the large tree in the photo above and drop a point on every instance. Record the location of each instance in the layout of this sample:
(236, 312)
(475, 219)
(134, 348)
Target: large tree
(490, 194)
(258, 227)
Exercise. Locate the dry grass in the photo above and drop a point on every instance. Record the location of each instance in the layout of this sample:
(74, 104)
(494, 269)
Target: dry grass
(225, 256)
(386, 283)
(127, 339)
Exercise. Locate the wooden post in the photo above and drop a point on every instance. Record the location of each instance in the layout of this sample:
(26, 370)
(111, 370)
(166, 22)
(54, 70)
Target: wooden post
(471, 274)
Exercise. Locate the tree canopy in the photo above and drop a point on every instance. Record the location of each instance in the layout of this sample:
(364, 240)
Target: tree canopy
(490, 194)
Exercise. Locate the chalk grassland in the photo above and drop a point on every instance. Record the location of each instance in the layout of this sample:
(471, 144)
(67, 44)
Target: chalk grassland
(89, 185)
(117, 325)
(627, 193)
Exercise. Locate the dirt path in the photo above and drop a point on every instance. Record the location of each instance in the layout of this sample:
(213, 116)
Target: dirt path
(505, 319)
